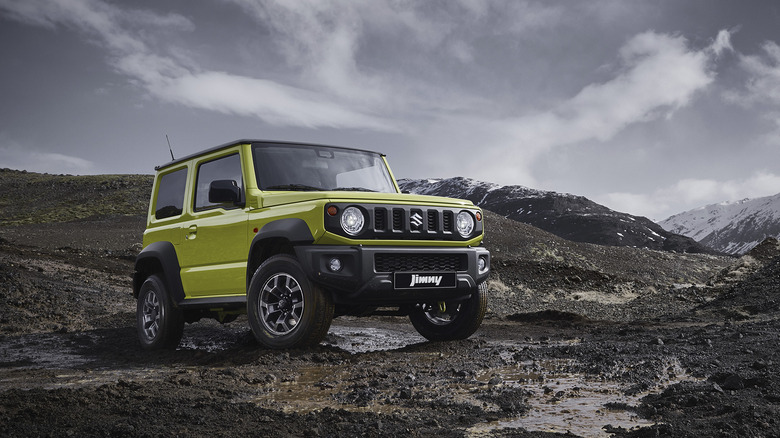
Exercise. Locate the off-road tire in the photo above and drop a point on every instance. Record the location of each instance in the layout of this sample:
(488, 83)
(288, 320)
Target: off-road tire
(284, 308)
(160, 324)
(459, 320)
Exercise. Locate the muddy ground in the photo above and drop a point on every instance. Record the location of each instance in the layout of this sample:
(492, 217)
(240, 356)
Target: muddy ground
(579, 341)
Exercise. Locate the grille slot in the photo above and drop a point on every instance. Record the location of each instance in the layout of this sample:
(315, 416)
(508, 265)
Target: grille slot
(380, 219)
(419, 262)
(398, 219)
(433, 220)
(447, 221)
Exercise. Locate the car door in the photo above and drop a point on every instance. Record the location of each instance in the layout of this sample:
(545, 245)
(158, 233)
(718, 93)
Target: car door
(213, 251)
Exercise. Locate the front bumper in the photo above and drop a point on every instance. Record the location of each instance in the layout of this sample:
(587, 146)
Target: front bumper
(368, 274)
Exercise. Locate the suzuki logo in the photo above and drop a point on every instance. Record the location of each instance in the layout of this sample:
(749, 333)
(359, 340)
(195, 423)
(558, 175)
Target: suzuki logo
(416, 221)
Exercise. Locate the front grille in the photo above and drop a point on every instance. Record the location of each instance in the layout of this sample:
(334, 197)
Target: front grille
(414, 223)
(385, 262)
(404, 222)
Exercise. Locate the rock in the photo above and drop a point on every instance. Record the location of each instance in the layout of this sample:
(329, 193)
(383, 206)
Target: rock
(759, 365)
(733, 382)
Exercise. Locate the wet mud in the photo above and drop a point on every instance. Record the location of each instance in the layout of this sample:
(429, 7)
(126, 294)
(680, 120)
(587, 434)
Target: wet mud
(592, 379)
(687, 360)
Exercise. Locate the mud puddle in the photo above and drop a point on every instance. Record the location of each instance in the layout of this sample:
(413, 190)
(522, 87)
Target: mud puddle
(43, 350)
(579, 404)
(366, 339)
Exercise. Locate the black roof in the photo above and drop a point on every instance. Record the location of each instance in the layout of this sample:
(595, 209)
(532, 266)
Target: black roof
(245, 141)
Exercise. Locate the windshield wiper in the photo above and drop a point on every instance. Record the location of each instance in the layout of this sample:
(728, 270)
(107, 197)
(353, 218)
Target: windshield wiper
(295, 187)
(352, 189)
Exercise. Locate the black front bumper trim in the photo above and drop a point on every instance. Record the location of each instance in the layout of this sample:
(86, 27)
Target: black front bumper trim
(358, 281)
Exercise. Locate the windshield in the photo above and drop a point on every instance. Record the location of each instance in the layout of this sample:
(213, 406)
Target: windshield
(308, 167)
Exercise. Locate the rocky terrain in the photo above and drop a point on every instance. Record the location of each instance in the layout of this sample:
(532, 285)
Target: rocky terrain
(580, 340)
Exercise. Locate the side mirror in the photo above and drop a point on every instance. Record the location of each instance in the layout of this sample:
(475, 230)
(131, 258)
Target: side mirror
(224, 191)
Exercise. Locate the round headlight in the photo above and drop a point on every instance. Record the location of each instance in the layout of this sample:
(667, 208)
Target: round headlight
(465, 223)
(352, 220)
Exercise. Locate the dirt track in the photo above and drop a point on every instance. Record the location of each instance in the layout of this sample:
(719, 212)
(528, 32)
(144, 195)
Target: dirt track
(70, 364)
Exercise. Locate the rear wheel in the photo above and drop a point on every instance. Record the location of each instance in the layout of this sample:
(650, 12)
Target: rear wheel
(450, 320)
(285, 309)
(160, 324)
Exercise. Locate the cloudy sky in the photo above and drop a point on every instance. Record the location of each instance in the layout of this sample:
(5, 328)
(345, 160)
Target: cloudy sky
(647, 107)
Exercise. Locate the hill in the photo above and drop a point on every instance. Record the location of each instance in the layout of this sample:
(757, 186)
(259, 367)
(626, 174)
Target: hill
(27, 197)
(571, 217)
(729, 227)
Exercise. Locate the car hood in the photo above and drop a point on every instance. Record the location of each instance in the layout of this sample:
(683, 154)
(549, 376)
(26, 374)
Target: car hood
(270, 199)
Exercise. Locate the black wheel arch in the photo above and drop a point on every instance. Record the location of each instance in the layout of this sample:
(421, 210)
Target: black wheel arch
(276, 237)
(159, 258)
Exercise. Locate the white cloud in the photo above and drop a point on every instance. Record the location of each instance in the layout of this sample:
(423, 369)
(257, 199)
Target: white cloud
(334, 43)
(320, 38)
(657, 74)
(267, 100)
(763, 83)
(722, 43)
(691, 193)
(762, 88)
(168, 79)
(696, 191)
(14, 156)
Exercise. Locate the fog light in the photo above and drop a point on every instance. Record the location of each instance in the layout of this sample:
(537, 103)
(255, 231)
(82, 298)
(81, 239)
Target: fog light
(482, 264)
(335, 265)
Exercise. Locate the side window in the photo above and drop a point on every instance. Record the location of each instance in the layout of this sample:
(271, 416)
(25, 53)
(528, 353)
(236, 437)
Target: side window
(170, 194)
(225, 168)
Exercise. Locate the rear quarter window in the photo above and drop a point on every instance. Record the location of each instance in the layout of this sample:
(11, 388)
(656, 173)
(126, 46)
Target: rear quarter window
(170, 194)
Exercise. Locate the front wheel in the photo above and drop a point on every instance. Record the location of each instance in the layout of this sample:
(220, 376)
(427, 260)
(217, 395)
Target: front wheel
(450, 320)
(285, 309)
(160, 323)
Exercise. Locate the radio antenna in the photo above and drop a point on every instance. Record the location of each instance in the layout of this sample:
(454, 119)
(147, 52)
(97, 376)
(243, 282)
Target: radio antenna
(169, 147)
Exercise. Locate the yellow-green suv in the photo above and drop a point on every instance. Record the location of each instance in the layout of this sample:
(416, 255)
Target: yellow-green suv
(294, 234)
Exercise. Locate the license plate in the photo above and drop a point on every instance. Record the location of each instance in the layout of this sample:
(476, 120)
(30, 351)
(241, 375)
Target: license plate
(425, 280)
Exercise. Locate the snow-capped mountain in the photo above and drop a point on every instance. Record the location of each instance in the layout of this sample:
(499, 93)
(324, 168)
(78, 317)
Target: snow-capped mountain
(568, 216)
(730, 227)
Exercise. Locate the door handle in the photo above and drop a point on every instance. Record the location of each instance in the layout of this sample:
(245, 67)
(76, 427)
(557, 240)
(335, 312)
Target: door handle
(192, 232)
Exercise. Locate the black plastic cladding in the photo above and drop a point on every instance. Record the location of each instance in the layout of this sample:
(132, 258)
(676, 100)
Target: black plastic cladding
(406, 222)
